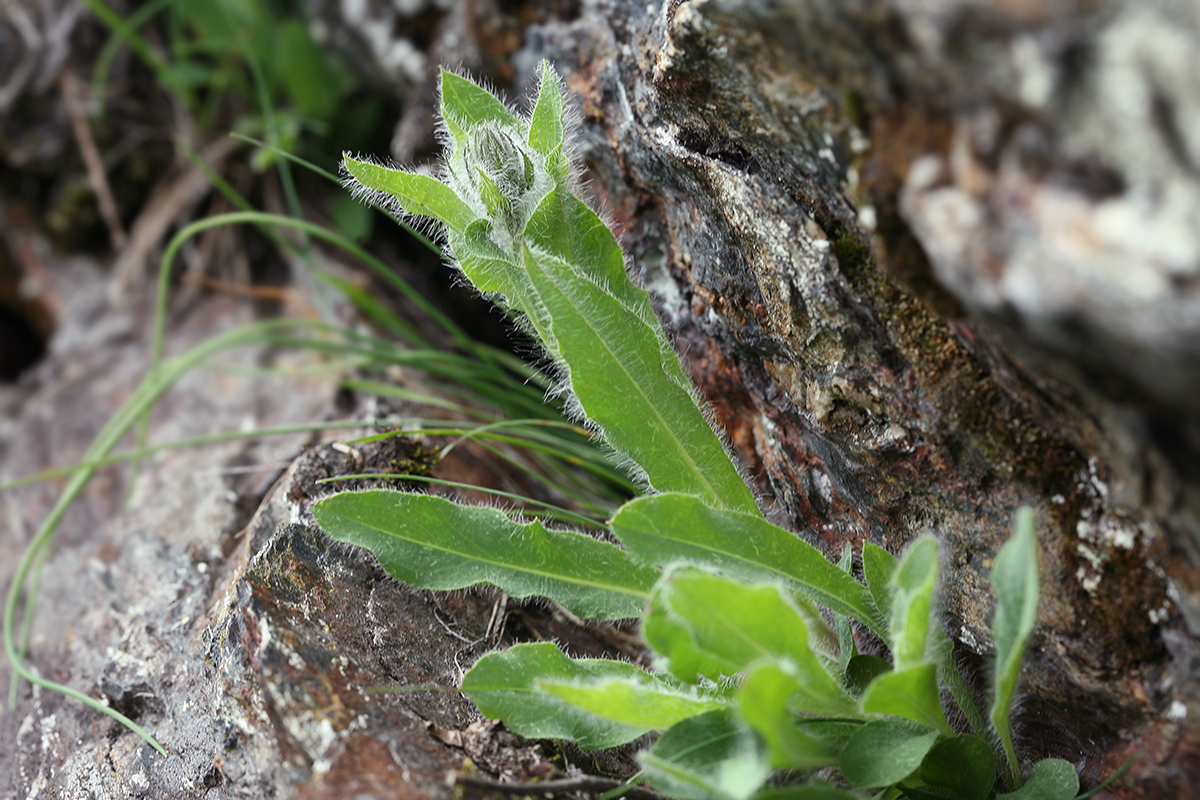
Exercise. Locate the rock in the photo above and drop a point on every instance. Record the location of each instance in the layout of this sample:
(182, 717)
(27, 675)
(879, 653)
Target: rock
(930, 262)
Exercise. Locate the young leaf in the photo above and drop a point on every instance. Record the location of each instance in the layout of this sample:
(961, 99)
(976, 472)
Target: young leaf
(466, 103)
(962, 766)
(910, 693)
(666, 528)
(735, 625)
(1050, 779)
(847, 649)
(636, 700)
(417, 194)
(546, 129)
(766, 702)
(1015, 576)
(912, 585)
(817, 790)
(709, 756)
(884, 752)
(631, 389)
(564, 226)
(862, 670)
(429, 542)
(504, 685)
(878, 566)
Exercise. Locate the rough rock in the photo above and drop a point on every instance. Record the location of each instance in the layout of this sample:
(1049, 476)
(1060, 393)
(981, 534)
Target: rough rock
(931, 261)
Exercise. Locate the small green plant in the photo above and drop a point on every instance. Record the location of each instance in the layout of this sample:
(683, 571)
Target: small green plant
(753, 682)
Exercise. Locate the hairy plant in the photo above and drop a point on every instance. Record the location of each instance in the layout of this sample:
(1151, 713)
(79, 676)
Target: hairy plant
(757, 672)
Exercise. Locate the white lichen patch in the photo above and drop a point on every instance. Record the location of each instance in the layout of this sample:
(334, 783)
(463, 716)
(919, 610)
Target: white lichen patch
(1177, 711)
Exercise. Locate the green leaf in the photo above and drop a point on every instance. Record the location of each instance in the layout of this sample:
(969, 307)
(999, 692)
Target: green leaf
(662, 529)
(417, 194)
(884, 752)
(1015, 576)
(962, 766)
(1050, 779)
(912, 585)
(765, 702)
(564, 226)
(629, 383)
(429, 542)
(711, 755)
(862, 670)
(465, 104)
(878, 566)
(817, 790)
(638, 700)
(847, 649)
(910, 693)
(734, 625)
(546, 131)
(504, 685)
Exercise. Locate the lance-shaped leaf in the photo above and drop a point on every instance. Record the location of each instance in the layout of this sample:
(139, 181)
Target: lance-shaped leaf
(505, 686)
(884, 752)
(637, 700)
(847, 648)
(712, 756)
(962, 766)
(465, 104)
(733, 625)
(665, 528)
(878, 566)
(1050, 779)
(429, 542)
(765, 702)
(816, 790)
(420, 195)
(634, 393)
(546, 129)
(564, 226)
(912, 586)
(1015, 576)
(910, 693)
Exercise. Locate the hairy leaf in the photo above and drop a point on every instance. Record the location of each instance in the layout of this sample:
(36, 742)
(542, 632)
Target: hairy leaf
(712, 755)
(963, 766)
(912, 586)
(417, 194)
(878, 566)
(636, 700)
(884, 752)
(735, 625)
(1050, 779)
(666, 528)
(429, 542)
(505, 685)
(766, 701)
(546, 130)
(910, 693)
(632, 388)
(466, 104)
(1015, 576)
(817, 790)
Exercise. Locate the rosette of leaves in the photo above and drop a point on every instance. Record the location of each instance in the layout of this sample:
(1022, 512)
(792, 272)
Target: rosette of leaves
(758, 677)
